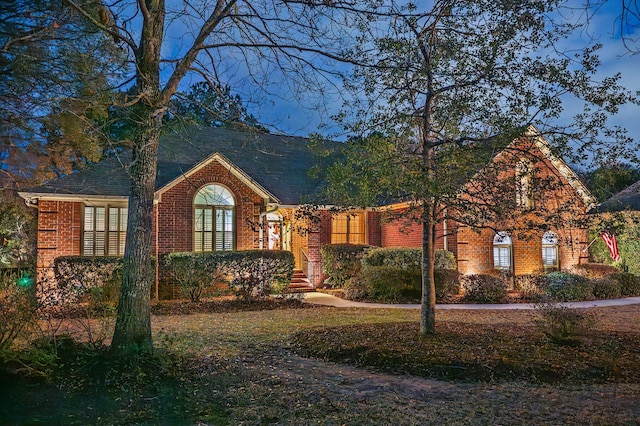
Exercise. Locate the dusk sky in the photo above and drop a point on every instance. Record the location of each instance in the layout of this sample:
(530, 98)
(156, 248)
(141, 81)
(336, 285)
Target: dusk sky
(291, 118)
(276, 108)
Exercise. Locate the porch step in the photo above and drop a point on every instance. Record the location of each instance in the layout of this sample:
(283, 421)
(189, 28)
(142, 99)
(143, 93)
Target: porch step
(300, 282)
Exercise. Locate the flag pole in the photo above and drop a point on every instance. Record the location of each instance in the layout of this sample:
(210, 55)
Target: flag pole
(590, 244)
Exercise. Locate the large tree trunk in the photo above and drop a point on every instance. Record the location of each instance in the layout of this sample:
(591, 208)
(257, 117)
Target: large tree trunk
(133, 322)
(428, 303)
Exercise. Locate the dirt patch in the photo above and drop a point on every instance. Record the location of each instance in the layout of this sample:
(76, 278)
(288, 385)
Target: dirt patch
(304, 391)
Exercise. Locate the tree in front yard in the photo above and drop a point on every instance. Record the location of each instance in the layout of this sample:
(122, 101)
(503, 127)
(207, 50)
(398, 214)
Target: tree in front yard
(449, 85)
(274, 45)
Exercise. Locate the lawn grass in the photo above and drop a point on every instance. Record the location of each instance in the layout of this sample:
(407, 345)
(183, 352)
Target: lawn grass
(222, 365)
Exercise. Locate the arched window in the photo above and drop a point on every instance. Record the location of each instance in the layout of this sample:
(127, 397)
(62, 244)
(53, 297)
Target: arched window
(549, 250)
(502, 251)
(214, 222)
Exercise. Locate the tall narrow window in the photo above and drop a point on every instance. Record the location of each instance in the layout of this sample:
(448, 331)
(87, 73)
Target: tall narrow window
(502, 251)
(524, 184)
(94, 231)
(214, 224)
(348, 228)
(549, 251)
(105, 231)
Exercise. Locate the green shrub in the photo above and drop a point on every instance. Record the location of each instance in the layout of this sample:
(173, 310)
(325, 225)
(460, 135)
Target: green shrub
(606, 288)
(194, 273)
(533, 286)
(251, 273)
(484, 289)
(445, 259)
(259, 273)
(341, 262)
(389, 284)
(593, 270)
(629, 283)
(17, 309)
(447, 281)
(567, 287)
(356, 288)
(563, 325)
(408, 259)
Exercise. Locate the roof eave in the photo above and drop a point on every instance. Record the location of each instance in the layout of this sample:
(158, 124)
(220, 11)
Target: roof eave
(46, 196)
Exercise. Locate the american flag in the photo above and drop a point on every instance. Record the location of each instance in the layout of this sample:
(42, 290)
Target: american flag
(610, 240)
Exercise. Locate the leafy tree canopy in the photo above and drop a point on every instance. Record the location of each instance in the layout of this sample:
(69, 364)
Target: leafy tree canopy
(55, 79)
(607, 180)
(211, 105)
(444, 87)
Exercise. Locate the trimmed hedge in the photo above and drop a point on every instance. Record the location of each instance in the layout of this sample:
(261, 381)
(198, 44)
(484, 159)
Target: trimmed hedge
(629, 283)
(341, 262)
(484, 289)
(567, 287)
(250, 273)
(194, 274)
(533, 286)
(445, 259)
(395, 275)
(606, 288)
(98, 278)
(593, 270)
(388, 284)
(408, 259)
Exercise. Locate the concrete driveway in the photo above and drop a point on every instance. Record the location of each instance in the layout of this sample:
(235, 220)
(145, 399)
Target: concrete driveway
(329, 300)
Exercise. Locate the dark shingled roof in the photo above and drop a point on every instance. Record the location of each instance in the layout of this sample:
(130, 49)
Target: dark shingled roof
(280, 164)
(627, 199)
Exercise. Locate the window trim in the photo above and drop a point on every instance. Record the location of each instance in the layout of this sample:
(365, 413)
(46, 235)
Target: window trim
(214, 209)
(121, 233)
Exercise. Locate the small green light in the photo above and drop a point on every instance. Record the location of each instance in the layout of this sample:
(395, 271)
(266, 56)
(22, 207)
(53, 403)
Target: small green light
(25, 281)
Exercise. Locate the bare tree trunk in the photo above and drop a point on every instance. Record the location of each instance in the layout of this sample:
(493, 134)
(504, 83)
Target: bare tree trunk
(133, 323)
(428, 303)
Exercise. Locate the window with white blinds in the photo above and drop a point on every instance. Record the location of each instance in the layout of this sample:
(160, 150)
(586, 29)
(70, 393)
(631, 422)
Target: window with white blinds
(549, 250)
(104, 231)
(214, 224)
(502, 245)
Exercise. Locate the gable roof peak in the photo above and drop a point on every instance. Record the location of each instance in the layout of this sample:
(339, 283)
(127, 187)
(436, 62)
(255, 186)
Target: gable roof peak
(561, 166)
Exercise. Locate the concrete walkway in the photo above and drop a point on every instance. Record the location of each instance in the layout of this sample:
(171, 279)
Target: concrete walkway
(329, 300)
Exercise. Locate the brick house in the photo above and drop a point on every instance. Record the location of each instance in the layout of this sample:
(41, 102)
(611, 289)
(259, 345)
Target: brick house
(222, 189)
(545, 229)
